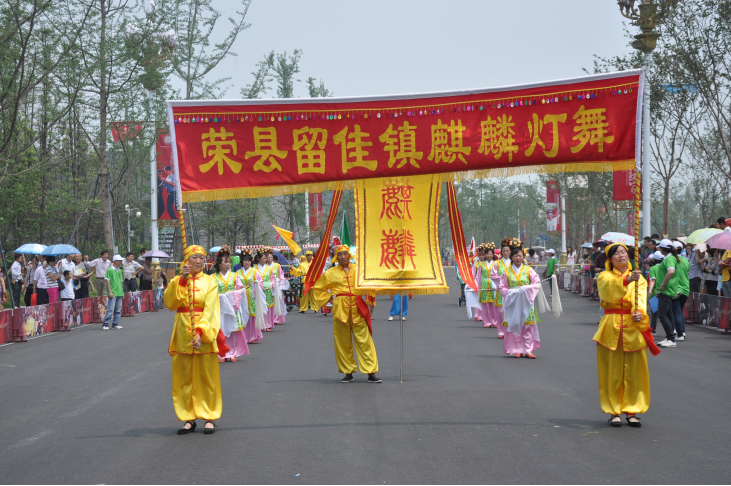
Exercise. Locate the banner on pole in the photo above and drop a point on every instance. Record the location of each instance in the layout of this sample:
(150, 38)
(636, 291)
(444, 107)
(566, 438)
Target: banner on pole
(624, 184)
(250, 148)
(315, 200)
(166, 181)
(398, 223)
(553, 209)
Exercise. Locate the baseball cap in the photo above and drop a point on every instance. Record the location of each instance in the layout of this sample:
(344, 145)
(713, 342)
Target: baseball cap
(117, 258)
(678, 244)
(551, 251)
(658, 256)
(665, 243)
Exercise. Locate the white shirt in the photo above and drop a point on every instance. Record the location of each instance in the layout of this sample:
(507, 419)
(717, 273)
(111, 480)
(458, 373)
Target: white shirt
(66, 265)
(506, 261)
(517, 269)
(130, 269)
(68, 290)
(39, 277)
(15, 269)
(101, 267)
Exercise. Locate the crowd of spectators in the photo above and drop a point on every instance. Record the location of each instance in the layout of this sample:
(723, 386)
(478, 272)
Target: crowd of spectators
(44, 280)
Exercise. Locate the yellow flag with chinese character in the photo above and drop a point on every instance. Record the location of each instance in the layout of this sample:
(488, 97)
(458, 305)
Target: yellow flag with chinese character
(397, 236)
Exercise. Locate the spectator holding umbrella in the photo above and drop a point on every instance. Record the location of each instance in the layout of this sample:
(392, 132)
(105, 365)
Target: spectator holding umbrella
(52, 278)
(30, 270)
(146, 281)
(40, 287)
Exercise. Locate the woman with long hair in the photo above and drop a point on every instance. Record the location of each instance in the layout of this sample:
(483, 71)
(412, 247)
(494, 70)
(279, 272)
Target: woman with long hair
(277, 286)
(622, 339)
(226, 281)
(488, 290)
(256, 306)
(264, 273)
(667, 290)
(498, 270)
(519, 286)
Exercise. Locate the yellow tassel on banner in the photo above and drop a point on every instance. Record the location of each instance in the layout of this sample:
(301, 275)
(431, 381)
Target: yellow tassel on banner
(254, 192)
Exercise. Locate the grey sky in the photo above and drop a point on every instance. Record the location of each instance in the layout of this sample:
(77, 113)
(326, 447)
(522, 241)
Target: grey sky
(398, 46)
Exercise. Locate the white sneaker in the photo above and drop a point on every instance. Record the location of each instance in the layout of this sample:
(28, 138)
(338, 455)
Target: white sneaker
(390, 318)
(105, 328)
(667, 344)
(403, 318)
(680, 338)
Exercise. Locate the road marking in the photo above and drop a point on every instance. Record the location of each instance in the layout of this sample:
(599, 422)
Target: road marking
(30, 440)
(8, 366)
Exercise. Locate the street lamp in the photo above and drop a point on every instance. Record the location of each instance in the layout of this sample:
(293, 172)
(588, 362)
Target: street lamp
(157, 49)
(129, 233)
(647, 15)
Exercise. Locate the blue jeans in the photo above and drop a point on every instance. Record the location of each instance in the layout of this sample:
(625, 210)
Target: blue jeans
(114, 306)
(678, 316)
(396, 306)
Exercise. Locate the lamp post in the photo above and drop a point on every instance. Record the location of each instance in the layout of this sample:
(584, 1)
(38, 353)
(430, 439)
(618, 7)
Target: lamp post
(647, 15)
(157, 48)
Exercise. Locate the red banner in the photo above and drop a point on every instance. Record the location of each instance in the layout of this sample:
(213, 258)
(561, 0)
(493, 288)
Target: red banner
(460, 248)
(166, 180)
(553, 207)
(624, 184)
(315, 201)
(232, 149)
(318, 263)
(122, 131)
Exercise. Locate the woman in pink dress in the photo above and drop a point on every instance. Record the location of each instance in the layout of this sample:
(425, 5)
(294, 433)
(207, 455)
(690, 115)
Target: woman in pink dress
(226, 281)
(251, 280)
(519, 286)
(482, 271)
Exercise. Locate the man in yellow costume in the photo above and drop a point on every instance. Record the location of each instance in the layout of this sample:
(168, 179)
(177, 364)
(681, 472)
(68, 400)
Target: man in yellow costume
(306, 300)
(193, 345)
(351, 318)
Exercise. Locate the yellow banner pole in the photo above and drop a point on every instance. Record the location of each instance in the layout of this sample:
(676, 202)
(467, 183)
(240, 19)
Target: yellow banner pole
(185, 246)
(638, 259)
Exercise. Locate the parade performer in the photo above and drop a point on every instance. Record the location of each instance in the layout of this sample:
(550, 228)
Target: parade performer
(227, 282)
(498, 270)
(622, 339)
(472, 297)
(255, 300)
(279, 284)
(519, 286)
(351, 319)
(301, 271)
(264, 273)
(193, 345)
(488, 290)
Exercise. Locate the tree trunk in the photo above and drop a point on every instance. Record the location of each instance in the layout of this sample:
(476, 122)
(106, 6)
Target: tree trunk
(103, 171)
(666, 203)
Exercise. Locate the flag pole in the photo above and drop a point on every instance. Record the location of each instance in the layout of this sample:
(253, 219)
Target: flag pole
(401, 306)
(181, 216)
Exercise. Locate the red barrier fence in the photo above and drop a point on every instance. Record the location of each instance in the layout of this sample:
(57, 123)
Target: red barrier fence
(709, 310)
(18, 324)
(577, 284)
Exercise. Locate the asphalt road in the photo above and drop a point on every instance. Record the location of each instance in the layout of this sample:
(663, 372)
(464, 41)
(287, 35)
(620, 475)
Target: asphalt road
(94, 407)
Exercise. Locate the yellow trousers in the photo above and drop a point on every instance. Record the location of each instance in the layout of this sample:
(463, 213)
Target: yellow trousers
(624, 381)
(307, 300)
(196, 386)
(345, 333)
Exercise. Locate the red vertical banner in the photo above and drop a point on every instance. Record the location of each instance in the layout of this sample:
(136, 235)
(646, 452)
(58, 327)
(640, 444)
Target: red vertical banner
(166, 179)
(631, 223)
(315, 201)
(624, 183)
(553, 210)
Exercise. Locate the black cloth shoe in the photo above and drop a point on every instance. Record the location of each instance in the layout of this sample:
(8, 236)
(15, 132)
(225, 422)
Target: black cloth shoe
(184, 431)
(347, 378)
(208, 430)
(372, 378)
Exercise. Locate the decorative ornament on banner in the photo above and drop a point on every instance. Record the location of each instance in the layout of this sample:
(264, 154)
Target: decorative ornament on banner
(398, 223)
(553, 209)
(252, 148)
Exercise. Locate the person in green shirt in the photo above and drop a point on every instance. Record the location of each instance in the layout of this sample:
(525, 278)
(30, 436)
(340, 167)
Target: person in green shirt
(653, 261)
(115, 287)
(667, 289)
(551, 266)
(682, 272)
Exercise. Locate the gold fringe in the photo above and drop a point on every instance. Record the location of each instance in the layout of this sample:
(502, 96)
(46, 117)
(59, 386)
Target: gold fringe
(254, 192)
(405, 290)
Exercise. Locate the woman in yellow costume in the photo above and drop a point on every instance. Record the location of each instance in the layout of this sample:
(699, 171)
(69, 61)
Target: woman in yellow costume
(301, 271)
(622, 340)
(193, 345)
(351, 318)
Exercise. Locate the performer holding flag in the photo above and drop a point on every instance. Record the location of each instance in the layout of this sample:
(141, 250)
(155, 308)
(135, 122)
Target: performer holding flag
(351, 318)
(307, 299)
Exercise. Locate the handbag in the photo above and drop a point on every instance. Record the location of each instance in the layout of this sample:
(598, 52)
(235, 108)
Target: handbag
(34, 299)
(61, 285)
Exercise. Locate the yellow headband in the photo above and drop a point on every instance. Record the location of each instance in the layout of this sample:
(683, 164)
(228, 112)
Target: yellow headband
(608, 263)
(308, 253)
(342, 248)
(192, 250)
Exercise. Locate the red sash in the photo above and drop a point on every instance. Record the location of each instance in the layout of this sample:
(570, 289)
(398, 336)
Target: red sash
(649, 339)
(362, 309)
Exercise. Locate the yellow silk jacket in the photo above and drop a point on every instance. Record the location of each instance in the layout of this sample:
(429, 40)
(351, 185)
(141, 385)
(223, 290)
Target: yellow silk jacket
(207, 311)
(301, 270)
(616, 293)
(337, 281)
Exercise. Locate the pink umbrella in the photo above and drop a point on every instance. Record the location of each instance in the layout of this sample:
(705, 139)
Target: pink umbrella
(721, 241)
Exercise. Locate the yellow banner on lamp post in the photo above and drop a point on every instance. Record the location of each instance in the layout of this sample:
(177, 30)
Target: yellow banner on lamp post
(397, 235)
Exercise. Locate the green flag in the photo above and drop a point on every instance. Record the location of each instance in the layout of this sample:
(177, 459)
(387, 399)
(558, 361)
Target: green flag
(344, 231)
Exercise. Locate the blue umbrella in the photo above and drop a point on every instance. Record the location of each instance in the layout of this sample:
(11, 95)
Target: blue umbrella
(215, 249)
(60, 250)
(31, 249)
